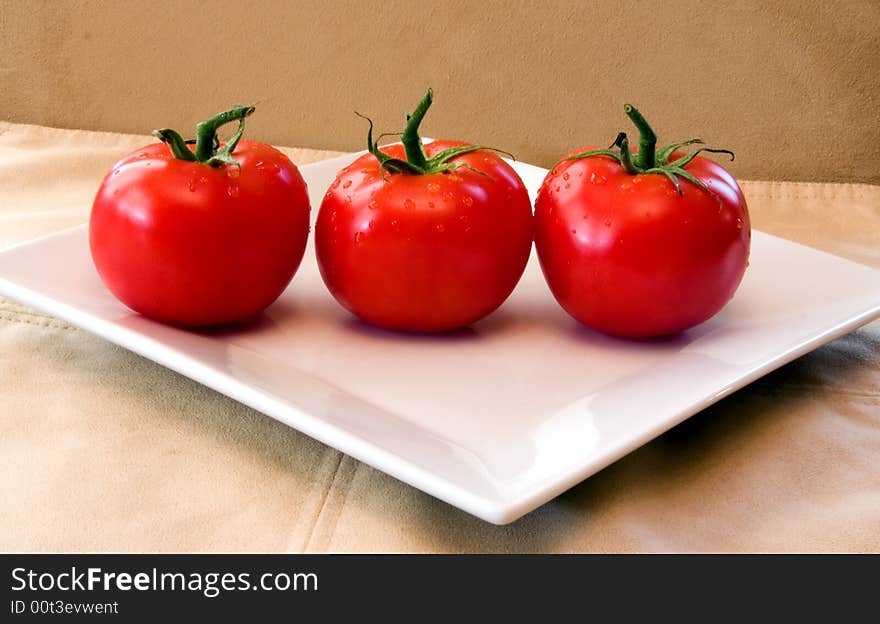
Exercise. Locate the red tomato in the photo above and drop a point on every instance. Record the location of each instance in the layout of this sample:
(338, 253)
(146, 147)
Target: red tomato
(195, 244)
(625, 253)
(424, 251)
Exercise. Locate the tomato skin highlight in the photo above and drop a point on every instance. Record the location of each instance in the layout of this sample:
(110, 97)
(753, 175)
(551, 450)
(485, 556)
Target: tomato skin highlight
(628, 256)
(424, 253)
(192, 245)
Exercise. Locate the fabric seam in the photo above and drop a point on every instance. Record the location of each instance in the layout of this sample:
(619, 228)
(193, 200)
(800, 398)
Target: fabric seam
(324, 498)
(320, 515)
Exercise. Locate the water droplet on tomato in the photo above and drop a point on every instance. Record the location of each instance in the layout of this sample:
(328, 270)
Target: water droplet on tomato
(233, 172)
(358, 237)
(372, 205)
(116, 171)
(346, 184)
(232, 191)
(739, 223)
(348, 199)
(259, 164)
(409, 204)
(567, 185)
(433, 187)
(467, 200)
(566, 176)
(441, 227)
(431, 205)
(394, 223)
(192, 186)
(556, 188)
(335, 183)
(332, 216)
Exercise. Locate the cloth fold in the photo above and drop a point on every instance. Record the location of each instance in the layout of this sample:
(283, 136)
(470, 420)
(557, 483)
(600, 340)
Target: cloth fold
(102, 450)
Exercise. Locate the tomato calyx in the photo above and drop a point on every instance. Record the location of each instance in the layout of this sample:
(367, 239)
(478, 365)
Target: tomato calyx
(416, 161)
(208, 150)
(650, 160)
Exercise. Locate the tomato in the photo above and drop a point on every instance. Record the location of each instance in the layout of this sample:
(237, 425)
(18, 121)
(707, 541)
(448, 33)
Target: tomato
(204, 236)
(644, 243)
(424, 238)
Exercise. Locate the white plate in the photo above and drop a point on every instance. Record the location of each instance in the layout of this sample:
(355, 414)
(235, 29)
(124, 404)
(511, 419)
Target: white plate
(496, 420)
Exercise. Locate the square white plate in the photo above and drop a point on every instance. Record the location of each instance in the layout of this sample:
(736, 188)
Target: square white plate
(496, 420)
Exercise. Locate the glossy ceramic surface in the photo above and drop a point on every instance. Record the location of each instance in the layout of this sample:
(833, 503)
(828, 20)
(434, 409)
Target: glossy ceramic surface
(497, 419)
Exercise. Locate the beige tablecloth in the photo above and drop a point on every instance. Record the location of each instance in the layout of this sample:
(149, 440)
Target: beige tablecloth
(102, 450)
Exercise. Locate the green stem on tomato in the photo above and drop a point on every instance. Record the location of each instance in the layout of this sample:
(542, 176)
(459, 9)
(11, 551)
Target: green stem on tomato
(646, 157)
(650, 160)
(176, 143)
(207, 146)
(626, 157)
(412, 142)
(416, 162)
(206, 131)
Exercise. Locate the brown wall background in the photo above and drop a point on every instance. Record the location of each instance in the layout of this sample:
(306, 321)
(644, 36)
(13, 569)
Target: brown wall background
(792, 86)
